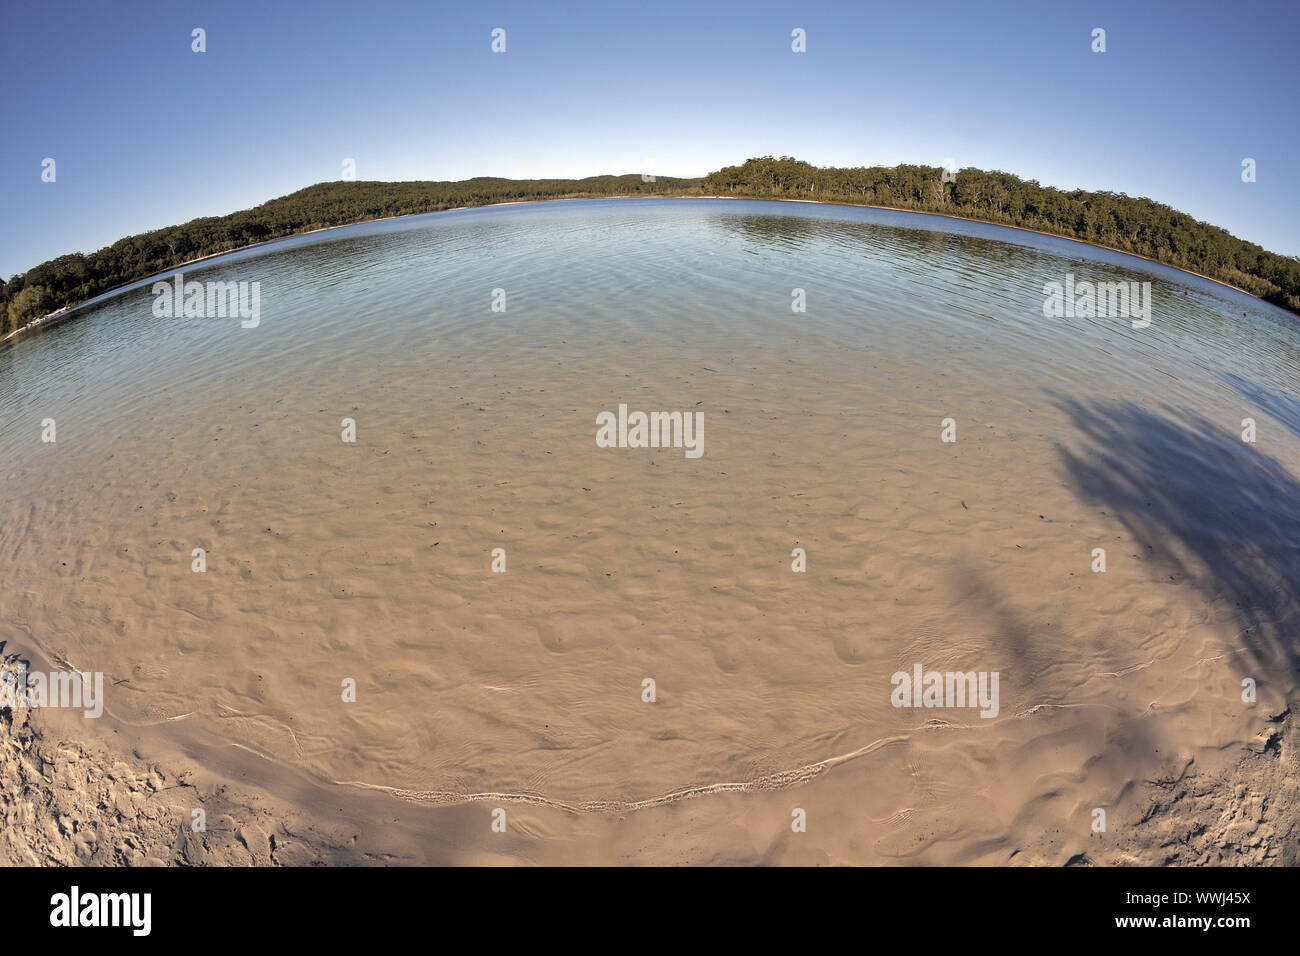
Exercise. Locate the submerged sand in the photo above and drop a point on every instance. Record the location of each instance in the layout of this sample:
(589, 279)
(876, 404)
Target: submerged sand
(476, 691)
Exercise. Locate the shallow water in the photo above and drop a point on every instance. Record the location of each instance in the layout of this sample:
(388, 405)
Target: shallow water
(476, 430)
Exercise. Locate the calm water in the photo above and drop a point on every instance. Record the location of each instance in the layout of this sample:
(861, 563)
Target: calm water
(715, 273)
(475, 430)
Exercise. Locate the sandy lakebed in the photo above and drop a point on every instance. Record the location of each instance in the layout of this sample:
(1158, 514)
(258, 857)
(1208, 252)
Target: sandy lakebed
(462, 629)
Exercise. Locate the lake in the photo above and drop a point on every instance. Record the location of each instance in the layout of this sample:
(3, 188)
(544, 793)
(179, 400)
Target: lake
(594, 632)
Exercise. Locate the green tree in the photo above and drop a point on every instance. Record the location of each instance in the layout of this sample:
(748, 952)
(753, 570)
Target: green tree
(28, 304)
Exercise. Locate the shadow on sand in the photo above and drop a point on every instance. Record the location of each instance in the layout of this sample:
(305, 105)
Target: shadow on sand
(1207, 506)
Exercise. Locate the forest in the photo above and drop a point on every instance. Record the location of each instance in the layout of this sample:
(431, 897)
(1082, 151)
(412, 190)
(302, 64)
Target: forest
(1129, 224)
(1140, 226)
(74, 278)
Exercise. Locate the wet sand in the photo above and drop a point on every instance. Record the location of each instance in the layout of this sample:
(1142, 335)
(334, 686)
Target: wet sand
(70, 797)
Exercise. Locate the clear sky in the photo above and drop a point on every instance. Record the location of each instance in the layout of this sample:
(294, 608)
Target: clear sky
(147, 133)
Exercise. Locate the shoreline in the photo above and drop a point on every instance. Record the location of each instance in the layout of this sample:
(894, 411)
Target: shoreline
(72, 796)
(1053, 235)
(65, 312)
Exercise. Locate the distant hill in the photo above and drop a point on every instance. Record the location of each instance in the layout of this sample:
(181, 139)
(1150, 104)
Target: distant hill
(1140, 226)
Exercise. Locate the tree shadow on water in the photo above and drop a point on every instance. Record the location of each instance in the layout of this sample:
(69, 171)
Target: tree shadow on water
(1210, 508)
(1285, 408)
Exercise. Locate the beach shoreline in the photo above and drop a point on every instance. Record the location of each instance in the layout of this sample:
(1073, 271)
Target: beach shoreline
(72, 798)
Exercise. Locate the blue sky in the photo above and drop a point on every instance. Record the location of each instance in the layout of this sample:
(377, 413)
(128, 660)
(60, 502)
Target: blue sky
(146, 133)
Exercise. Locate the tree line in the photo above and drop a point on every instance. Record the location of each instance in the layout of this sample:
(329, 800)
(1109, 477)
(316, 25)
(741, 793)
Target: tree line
(1122, 222)
(1130, 224)
(74, 278)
